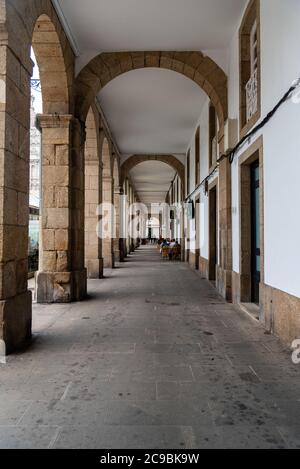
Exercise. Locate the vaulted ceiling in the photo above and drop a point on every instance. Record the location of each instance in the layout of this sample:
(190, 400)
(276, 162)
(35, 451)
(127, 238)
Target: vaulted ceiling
(151, 110)
(150, 187)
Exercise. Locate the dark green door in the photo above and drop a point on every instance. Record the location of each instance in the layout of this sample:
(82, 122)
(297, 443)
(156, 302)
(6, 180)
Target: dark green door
(255, 232)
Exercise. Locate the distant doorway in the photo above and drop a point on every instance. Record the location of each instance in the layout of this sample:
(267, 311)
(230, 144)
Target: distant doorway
(197, 234)
(251, 224)
(213, 223)
(255, 232)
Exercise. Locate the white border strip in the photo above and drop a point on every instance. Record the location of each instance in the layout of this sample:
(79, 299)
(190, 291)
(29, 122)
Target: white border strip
(65, 25)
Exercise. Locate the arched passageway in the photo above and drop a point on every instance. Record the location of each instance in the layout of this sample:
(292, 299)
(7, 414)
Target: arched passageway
(118, 192)
(194, 65)
(61, 276)
(170, 160)
(93, 196)
(107, 212)
(35, 26)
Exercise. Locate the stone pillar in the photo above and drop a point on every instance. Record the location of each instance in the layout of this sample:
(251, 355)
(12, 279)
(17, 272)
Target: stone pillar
(224, 269)
(61, 277)
(128, 242)
(93, 199)
(118, 192)
(15, 299)
(107, 241)
(132, 240)
(123, 221)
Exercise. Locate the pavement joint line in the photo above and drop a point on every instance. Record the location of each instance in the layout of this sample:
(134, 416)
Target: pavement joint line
(267, 348)
(224, 323)
(30, 404)
(254, 372)
(65, 393)
(283, 437)
(189, 437)
(55, 438)
(229, 360)
(192, 372)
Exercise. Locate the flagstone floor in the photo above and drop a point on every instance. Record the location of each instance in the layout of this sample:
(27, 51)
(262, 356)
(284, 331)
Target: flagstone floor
(153, 359)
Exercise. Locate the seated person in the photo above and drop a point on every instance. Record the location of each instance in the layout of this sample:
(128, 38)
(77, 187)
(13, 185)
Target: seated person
(172, 250)
(163, 244)
(173, 243)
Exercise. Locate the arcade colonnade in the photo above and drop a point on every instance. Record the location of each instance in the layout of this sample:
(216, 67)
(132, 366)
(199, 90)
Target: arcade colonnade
(82, 168)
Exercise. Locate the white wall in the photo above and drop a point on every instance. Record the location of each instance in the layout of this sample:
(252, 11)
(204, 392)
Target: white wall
(281, 59)
(280, 65)
(203, 123)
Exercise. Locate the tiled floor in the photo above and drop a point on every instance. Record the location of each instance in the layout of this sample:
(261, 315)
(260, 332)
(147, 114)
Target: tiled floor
(153, 359)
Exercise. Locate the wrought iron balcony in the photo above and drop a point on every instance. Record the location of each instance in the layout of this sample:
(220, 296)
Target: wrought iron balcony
(252, 95)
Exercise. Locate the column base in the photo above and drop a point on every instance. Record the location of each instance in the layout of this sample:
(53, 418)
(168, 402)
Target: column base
(122, 251)
(109, 262)
(61, 287)
(204, 267)
(224, 283)
(94, 268)
(16, 321)
(117, 256)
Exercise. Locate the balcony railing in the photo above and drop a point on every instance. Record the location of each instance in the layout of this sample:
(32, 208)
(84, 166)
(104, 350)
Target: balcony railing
(252, 95)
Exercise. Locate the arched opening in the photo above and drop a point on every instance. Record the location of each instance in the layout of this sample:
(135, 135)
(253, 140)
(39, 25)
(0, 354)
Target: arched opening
(194, 65)
(52, 67)
(26, 30)
(49, 94)
(93, 197)
(107, 221)
(53, 284)
(170, 160)
(117, 245)
(159, 186)
(35, 173)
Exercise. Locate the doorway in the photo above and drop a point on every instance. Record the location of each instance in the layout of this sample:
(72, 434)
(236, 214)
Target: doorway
(213, 240)
(251, 225)
(197, 234)
(255, 232)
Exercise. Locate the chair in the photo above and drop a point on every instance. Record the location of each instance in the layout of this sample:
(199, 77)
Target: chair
(177, 253)
(165, 253)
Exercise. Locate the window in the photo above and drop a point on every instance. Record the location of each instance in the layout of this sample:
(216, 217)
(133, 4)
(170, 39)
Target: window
(212, 136)
(250, 67)
(197, 157)
(188, 165)
(253, 49)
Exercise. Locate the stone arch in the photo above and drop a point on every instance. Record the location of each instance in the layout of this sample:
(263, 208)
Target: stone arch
(116, 172)
(117, 192)
(108, 199)
(194, 65)
(35, 23)
(50, 59)
(92, 143)
(106, 157)
(93, 196)
(170, 160)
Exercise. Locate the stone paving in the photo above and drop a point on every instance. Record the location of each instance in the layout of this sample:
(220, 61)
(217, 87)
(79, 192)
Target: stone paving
(153, 359)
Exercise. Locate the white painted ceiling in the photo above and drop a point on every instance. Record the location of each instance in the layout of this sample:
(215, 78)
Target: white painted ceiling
(152, 111)
(123, 25)
(152, 180)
